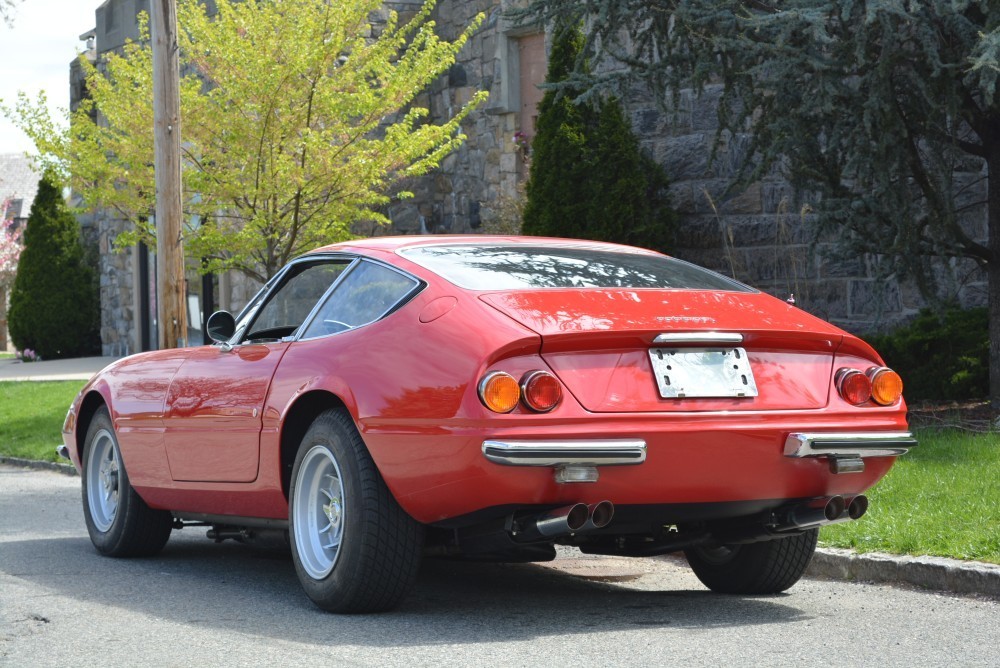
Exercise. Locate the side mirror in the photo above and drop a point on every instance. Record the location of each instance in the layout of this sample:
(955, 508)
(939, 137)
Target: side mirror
(221, 326)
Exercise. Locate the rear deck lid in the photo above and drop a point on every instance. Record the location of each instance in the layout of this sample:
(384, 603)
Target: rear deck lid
(604, 345)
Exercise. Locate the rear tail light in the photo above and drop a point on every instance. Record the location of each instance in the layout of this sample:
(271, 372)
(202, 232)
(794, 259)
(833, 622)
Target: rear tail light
(887, 386)
(499, 392)
(853, 386)
(540, 391)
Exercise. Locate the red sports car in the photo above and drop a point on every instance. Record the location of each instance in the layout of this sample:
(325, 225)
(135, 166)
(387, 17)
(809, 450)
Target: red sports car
(489, 398)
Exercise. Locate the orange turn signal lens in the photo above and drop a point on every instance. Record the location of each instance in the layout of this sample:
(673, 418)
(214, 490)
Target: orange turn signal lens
(499, 392)
(853, 386)
(541, 391)
(887, 386)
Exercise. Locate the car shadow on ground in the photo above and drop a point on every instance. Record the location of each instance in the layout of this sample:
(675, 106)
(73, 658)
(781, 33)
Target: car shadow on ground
(253, 591)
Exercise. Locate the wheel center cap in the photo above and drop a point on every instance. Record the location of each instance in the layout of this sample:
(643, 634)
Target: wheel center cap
(333, 512)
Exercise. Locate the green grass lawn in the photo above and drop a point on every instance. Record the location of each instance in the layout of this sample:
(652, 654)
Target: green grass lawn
(941, 499)
(31, 417)
(6, 356)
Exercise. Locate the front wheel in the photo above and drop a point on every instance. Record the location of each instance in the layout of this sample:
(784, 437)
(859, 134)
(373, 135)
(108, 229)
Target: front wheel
(767, 567)
(119, 522)
(354, 548)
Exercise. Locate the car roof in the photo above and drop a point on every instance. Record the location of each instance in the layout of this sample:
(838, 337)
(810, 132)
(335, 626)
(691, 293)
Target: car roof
(395, 243)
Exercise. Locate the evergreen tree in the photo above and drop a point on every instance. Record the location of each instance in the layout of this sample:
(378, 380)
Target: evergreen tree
(889, 110)
(630, 202)
(589, 179)
(559, 184)
(53, 306)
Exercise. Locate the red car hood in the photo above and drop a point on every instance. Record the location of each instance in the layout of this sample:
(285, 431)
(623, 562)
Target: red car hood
(598, 341)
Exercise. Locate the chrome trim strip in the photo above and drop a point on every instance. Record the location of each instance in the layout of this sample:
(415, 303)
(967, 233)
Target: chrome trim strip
(849, 444)
(699, 337)
(566, 453)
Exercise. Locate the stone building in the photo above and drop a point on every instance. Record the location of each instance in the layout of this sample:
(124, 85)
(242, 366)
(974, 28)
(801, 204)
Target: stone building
(759, 236)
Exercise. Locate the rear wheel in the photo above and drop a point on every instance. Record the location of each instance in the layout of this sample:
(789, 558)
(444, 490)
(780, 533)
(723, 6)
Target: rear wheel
(119, 522)
(354, 548)
(767, 567)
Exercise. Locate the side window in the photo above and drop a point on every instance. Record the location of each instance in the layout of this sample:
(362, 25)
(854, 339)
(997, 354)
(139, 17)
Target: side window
(288, 307)
(367, 292)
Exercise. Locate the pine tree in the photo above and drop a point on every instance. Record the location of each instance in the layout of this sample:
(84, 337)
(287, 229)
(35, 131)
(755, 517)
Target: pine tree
(589, 179)
(53, 306)
(629, 201)
(558, 187)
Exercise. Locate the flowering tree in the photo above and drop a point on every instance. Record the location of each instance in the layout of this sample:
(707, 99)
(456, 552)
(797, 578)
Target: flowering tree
(10, 249)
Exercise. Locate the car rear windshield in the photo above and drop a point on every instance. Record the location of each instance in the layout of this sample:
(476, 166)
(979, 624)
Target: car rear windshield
(498, 267)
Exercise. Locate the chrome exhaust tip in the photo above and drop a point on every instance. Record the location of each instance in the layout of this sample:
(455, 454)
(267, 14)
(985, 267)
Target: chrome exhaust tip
(835, 508)
(562, 520)
(858, 507)
(600, 515)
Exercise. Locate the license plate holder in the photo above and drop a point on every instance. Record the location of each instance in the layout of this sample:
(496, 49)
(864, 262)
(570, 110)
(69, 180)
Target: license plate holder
(683, 373)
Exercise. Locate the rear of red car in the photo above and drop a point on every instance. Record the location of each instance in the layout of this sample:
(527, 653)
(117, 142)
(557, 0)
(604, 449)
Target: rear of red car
(667, 408)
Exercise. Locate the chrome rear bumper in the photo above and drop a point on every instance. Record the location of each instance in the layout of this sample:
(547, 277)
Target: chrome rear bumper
(850, 444)
(566, 453)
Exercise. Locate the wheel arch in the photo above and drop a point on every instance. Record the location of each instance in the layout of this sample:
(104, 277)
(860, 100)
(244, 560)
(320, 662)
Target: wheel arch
(297, 420)
(89, 405)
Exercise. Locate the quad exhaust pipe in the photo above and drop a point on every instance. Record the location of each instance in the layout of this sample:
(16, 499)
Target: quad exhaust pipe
(822, 513)
(575, 518)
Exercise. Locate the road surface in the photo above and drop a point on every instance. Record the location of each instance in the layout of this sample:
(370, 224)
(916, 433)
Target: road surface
(206, 604)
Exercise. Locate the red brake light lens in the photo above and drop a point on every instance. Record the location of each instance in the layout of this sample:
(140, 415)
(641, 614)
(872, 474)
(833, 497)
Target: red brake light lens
(540, 391)
(853, 386)
(887, 386)
(499, 392)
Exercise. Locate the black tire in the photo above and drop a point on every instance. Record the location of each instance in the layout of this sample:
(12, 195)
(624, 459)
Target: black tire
(768, 567)
(119, 522)
(337, 496)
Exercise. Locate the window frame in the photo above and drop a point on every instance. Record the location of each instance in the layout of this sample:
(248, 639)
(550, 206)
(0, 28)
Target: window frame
(416, 287)
(249, 314)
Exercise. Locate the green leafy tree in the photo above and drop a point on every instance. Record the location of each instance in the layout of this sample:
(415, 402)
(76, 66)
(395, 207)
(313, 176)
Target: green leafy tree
(298, 120)
(888, 110)
(53, 303)
(589, 178)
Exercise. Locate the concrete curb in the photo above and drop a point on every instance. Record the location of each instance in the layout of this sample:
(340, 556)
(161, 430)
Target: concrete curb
(934, 573)
(65, 469)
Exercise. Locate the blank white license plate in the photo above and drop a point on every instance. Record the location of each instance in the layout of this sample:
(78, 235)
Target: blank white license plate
(702, 372)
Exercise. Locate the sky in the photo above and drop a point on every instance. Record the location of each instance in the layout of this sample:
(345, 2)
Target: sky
(35, 54)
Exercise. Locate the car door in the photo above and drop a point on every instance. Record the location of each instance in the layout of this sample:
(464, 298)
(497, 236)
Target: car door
(213, 414)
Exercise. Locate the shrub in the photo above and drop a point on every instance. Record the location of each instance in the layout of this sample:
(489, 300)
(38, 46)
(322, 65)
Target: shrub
(940, 355)
(53, 304)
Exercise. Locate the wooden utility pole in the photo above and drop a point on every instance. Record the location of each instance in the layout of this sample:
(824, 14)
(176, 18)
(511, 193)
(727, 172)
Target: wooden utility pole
(170, 303)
